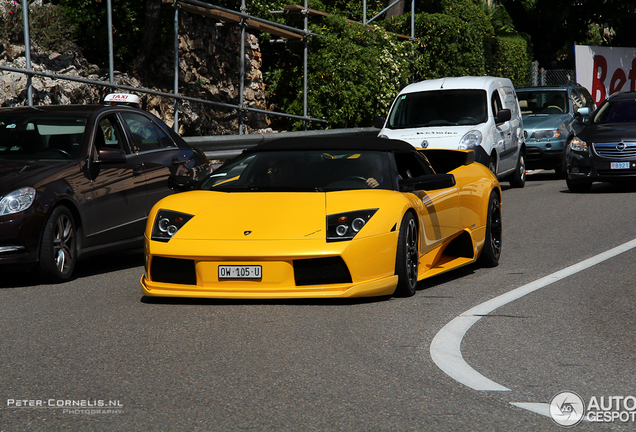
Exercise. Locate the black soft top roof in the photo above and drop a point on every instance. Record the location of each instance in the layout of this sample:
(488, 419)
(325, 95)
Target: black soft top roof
(331, 142)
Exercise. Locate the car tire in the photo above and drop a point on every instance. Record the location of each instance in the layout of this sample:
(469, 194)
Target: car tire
(518, 178)
(58, 249)
(407, 257)
(491, 252)
(492, 166)
(578, 187)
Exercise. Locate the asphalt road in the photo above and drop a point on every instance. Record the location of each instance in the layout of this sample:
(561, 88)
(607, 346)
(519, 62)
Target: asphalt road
(364, 365)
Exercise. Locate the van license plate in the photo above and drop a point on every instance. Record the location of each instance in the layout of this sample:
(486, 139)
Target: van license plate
(240, 272)
(619, 165)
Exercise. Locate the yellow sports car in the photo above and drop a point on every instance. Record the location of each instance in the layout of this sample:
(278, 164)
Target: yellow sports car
(323, 217)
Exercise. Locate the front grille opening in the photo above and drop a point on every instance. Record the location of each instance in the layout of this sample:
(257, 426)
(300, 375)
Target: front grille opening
(321, 271)
(173, 270)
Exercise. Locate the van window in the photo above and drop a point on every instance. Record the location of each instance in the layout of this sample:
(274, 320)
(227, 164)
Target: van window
(439, 108)
(496, 103)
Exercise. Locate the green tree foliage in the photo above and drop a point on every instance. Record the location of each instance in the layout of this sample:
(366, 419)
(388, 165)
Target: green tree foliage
(90, 17)
(511, 59)
(354, 74)
(50, 28)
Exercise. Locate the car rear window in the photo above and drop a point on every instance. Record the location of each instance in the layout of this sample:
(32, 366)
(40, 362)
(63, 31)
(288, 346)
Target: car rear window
(41, 136)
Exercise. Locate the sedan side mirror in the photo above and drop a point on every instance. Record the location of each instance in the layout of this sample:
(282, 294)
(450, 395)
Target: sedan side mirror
(503, 115)
(427, 182)
(181, 183)
(111, 156)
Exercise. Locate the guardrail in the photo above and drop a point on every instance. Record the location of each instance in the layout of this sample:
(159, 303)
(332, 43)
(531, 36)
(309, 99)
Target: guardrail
(221, 147)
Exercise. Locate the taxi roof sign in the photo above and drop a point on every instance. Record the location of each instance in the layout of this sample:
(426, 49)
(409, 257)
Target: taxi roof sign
(122, 99)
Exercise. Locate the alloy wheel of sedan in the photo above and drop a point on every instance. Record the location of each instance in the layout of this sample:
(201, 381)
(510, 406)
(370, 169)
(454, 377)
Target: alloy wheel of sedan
(58, 252)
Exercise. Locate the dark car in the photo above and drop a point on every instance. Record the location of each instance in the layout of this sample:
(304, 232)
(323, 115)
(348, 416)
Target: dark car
(605, 150)
(550, 119)
(81, 179)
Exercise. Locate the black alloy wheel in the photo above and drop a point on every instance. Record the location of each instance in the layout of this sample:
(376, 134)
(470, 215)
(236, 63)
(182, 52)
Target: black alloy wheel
(58, 250)
(491, 251)
(407, 257)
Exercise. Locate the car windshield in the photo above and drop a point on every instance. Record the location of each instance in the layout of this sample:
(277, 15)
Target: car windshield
(439, 108)
(40, 136)
(543, 101)
(306, 171)
(619, 111)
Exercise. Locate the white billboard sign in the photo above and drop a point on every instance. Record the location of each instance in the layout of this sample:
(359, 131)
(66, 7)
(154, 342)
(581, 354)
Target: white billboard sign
(605, 70)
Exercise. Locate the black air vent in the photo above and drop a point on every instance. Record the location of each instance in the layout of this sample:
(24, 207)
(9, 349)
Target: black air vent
(173, 270)
(321, 271)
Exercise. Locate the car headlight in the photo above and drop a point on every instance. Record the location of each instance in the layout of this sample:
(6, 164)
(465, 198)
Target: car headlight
(546, 134)
(167, 223)
(471, 140)
(578, 144)
(345, 226)
(17, 201)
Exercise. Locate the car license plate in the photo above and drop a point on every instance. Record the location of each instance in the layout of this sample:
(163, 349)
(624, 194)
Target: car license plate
(240, 272)
(619, 165)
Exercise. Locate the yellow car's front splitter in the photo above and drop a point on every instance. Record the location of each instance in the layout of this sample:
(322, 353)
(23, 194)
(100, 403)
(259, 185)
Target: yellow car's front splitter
(380, 287)
(369, 262)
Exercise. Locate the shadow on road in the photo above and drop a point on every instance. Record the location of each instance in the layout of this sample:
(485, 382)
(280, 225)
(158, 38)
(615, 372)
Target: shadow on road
(87, 267)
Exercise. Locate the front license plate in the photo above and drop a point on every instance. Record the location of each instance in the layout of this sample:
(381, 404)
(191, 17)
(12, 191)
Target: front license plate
(240, 272)
(619, 165)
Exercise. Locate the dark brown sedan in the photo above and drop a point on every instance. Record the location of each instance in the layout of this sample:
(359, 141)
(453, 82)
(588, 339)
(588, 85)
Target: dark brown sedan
(80, 179)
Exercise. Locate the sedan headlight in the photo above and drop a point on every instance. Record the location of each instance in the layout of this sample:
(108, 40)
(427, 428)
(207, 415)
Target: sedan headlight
(17, 201)
(345, 226)
(578, 144)
(471, 140)
(167, 223)
(546, 134)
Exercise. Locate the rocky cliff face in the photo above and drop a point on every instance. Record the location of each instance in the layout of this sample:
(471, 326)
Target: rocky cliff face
(209, 69)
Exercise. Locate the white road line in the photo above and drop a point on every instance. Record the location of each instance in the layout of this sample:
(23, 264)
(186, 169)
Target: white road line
(446, 346)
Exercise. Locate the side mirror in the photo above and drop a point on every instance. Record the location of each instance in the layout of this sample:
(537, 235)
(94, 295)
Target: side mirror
(378, 122)
(111, 156)
(181, 183)
(503, 115)
(427, 182)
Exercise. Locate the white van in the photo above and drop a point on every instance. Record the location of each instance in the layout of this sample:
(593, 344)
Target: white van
(476, 113)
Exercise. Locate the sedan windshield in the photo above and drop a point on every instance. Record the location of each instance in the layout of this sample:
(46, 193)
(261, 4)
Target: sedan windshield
(619, 111)
(40, 137)
(439, 108)
(309, 170)
(543, 102)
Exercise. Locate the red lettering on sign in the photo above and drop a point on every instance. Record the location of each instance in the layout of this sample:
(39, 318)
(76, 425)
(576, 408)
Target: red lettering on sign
(618, 81)
(598, 79)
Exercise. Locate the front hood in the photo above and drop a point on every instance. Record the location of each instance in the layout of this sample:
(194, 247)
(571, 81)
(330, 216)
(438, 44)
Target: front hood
(614, 132)
(253, 216)
(437, 137)
(533, 122)
(18, 173)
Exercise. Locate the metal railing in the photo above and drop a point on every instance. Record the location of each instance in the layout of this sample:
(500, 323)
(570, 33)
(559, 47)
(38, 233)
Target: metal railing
(29, 72)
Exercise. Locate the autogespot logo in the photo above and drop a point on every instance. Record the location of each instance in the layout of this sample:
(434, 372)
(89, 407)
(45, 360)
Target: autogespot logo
(567, 409)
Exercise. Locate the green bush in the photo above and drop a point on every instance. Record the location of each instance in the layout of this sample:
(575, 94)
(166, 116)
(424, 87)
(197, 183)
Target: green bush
(49, 27)
(511, 59)
(354, 75)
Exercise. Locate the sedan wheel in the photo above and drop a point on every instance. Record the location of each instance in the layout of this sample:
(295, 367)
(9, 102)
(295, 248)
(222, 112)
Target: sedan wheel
(491, 251)
(58, 250)
(406, 262)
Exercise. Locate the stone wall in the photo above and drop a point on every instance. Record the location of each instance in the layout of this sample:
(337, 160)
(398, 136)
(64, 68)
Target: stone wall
(209, 69)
